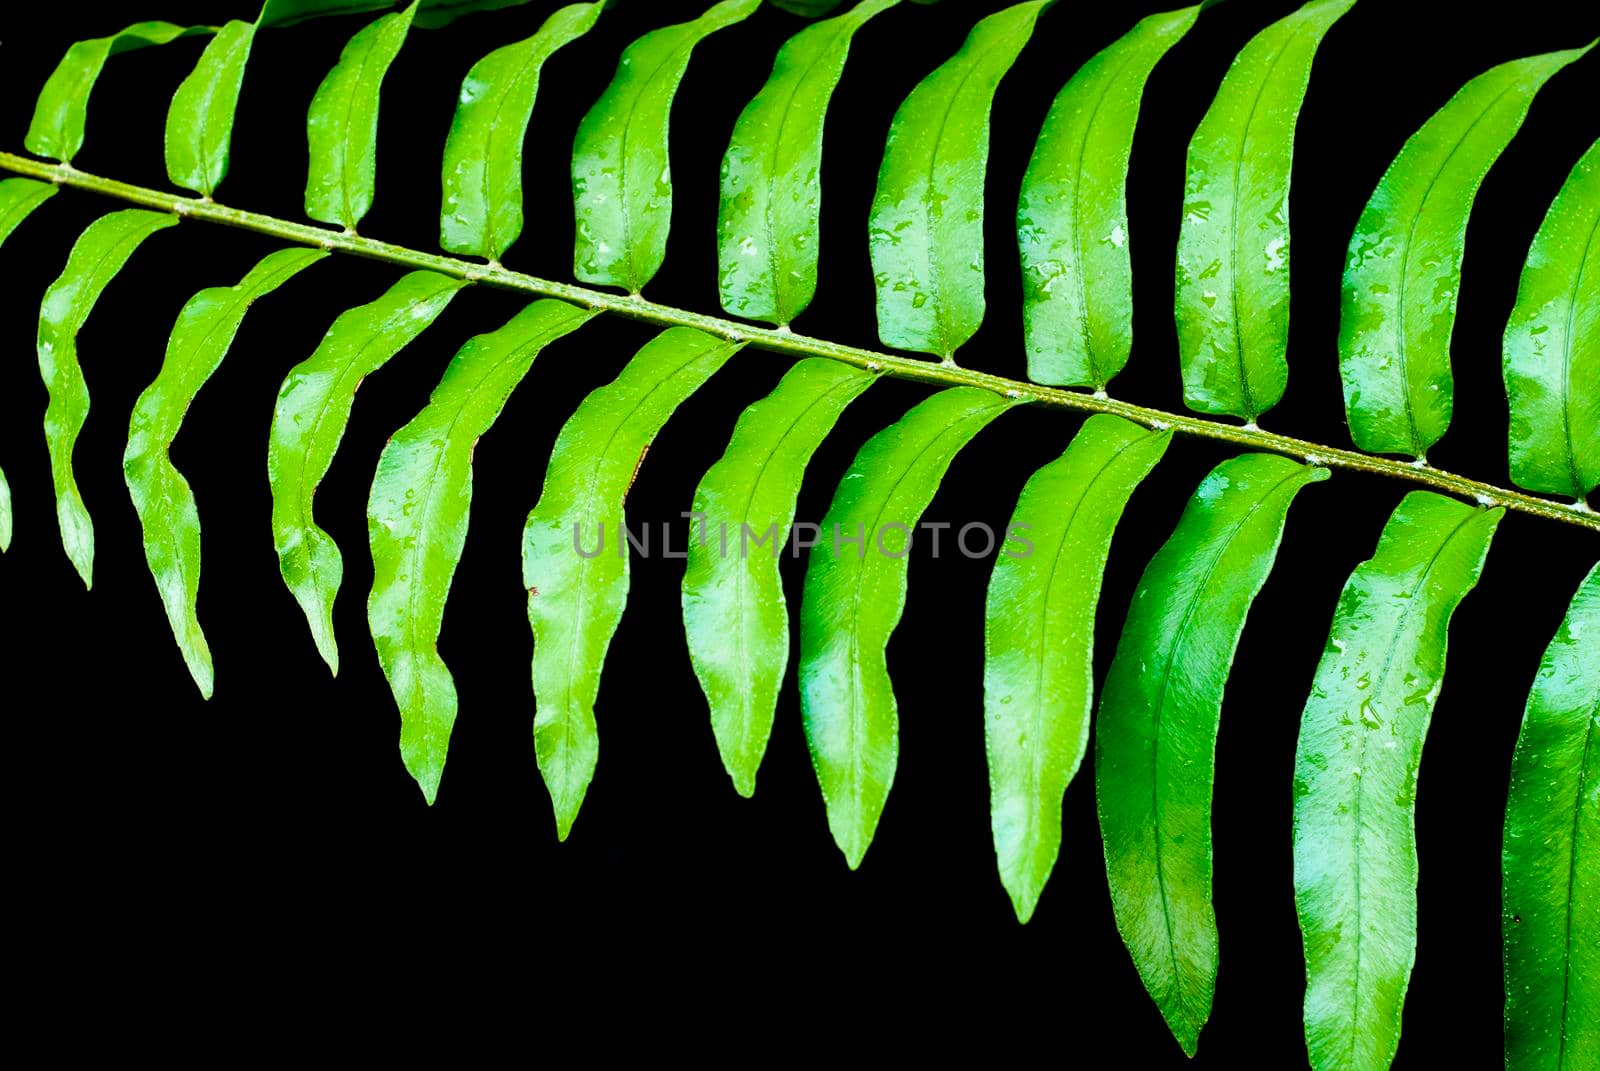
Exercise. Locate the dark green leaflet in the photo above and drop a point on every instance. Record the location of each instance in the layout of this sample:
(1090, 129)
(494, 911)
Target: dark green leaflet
(432, 14)
(342, 125)
(18, 198)
(482, 210)
(308, 422)
(1233, 248)
(1156, 733)
(417, 523)
(1403, 271)
(1072, 218)
(96, 258)
(809, 8)
(200, 121)
(1355, 781)
(621, 181)
(853, 600)
(58, 118)
(1552, 345)
(733, 608)
(768, 224)
(161, 496)
(1038, 679)
(926, 228)
(575, 594)
(1551, 891)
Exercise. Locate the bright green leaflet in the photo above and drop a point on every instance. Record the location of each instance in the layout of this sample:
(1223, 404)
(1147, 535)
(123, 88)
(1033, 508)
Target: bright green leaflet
(309, 420)
(96, 258)
(200, 121)
(1552, 345)
(768, 223)
(1038, 668)
(1156, 732)
(1233, 247)
(854, 594)
(481, 213)
(926, 227)
(161, 496)
(342, 125)
(1551, 859)
(58, 118)
(417, 523)
(621, 180)
(574, 552)
(18, 198)
(1072, 217)
(1403, 271)
(734, 614)
(1355, 779)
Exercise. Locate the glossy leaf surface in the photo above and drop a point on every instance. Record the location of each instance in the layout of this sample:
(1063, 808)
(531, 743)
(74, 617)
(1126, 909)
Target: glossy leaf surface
(734, 613)
(1156, 733)
(1072, 218)
(1552, 345)
(482, 210)
(200, 121)
(926, 228)
(417, 523)
(768, 224)
(1403, 272)
(342, 125)
(1233, 247)
(621, 179)
(18, 198)
(96, 258)
(1355, 781)
(576, 594)
(62, 109)
(308, 422)
(1038, 676)
(1551, 891)
(854, 595)
(161, 496)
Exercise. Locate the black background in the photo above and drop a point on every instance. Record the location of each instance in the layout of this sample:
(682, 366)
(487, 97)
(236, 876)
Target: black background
(277, 822)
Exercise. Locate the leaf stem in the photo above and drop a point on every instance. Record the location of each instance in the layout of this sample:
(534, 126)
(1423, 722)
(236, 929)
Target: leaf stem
(786, 341)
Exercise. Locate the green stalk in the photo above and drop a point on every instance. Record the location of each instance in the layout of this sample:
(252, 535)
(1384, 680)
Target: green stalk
(784, 341)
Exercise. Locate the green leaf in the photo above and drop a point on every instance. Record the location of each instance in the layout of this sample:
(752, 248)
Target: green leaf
(308, 422)
(342, 125)
(431, 15)
(200, 121)
(1072, 218)
(733, 607)
(853, 600)
(1552, 345)
(58, 118)
(809, 8)
(417, 523)
(575, 594)
(1156, 733)
(18, 198)
(161, 496)
(621, 181)
(1038, 675)
(1551, 894)
(96, 258)
(1403, 271)
(1355, 781)
(768, 223)
(926, 228)
(1233, 246)
(482, 210)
